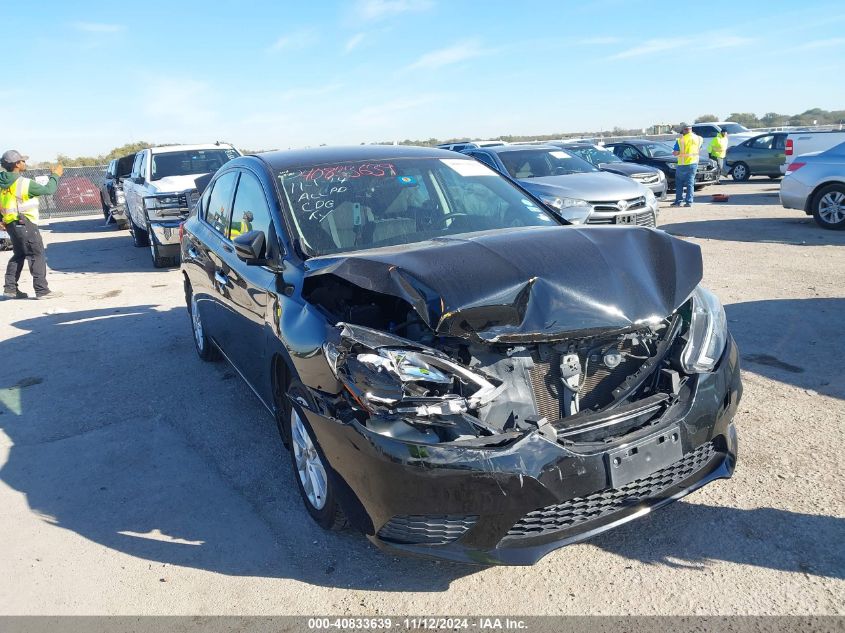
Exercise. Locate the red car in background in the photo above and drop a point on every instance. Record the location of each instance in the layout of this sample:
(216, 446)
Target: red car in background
(77, 192)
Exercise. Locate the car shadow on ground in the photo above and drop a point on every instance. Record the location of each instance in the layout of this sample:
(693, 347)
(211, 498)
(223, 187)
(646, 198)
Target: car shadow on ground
(79, 225)
(97, 255)
(798, 231)
(175, 462)
(689, 535)
(775, 342)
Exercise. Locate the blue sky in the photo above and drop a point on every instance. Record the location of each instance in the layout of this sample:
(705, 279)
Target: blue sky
(93, 75)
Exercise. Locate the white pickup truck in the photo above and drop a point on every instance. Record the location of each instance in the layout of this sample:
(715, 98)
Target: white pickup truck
(798, 143)
(161, 190)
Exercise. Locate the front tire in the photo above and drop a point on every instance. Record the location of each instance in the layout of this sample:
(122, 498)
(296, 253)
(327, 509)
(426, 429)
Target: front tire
(140, 238)
(829, 207)
(740, 172)
(314, 477)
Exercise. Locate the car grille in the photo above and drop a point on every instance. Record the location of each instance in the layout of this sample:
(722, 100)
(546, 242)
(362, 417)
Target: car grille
(646, 179)
(426, 529)
(597, 386)
(613, 206)
(644, 218)
(580, 510)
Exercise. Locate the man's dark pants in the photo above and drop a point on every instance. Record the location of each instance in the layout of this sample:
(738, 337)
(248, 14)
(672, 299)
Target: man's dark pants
(26, 245)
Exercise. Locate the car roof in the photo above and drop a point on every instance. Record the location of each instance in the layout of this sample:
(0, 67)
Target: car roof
(286, 159)
(502, 149)
(635, 141)
(189, 148)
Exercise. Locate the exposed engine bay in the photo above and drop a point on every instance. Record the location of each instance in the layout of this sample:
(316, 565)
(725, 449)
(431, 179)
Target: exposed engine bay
(402, 380)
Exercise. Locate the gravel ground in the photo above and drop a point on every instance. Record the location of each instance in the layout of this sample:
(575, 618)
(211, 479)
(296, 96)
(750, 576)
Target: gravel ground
(135, 479)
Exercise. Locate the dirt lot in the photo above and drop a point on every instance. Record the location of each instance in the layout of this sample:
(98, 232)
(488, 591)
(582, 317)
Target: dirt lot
(135, 479)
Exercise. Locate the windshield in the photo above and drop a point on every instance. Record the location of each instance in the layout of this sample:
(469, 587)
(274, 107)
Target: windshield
(537, 163)
(655, 150)
(594, 155)
(366, 204)
(734, 128)
(189, 162)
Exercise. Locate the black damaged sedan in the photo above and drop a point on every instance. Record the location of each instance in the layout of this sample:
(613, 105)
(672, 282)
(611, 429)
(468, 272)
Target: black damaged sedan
(457, 372)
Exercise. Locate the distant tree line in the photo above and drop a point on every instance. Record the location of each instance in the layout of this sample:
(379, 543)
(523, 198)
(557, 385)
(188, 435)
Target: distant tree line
(814, 116)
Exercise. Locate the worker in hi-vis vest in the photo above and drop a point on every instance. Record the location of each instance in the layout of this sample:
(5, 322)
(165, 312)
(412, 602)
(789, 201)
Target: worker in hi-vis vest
(686, 149)
(19, 207)
(718, 149)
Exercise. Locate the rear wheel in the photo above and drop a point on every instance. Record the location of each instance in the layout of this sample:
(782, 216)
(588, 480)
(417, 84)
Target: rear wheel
(205, 348)
(740, 172)
(314, 477)
(829, 207)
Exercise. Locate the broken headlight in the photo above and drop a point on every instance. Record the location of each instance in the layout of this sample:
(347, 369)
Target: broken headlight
(708, 332)
(407, 381)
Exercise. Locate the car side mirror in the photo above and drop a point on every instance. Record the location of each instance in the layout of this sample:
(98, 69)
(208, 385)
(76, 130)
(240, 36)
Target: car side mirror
(250, 246)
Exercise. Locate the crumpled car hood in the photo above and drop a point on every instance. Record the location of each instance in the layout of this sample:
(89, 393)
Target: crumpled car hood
(528, 284)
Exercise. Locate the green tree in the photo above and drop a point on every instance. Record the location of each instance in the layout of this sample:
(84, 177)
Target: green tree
(773, 119)
(706, 118)
(748, 119)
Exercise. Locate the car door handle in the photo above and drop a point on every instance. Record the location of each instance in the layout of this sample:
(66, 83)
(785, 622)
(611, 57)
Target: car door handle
(220, 278)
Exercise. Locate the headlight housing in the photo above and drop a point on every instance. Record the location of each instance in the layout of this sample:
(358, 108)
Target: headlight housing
(406, 380)
(649, 197)
(672, 166)
(570, 209)
(707, 334)
(120, 197)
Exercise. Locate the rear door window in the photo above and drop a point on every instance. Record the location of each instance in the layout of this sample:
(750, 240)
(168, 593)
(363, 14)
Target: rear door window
(219, 211)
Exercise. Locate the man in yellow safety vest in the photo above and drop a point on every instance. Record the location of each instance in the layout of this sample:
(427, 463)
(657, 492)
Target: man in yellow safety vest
(19, 208)
(718, 149)
(686, 149)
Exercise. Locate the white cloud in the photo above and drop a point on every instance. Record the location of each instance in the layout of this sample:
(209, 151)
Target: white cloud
(450, 55)
(833, 41)
(293, 41)
(387, 113)
(597, 41)
(706, 41)
(378, 9)
(354, 42)
(98, 27)
(295, 94)
(651, 46)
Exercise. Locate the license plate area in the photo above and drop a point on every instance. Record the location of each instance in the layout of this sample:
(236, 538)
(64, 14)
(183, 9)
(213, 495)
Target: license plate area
(626, 218)
(640, 459)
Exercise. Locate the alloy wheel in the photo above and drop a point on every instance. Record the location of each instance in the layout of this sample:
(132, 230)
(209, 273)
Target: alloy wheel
(196, 323)
(832, 207)
(309, 466)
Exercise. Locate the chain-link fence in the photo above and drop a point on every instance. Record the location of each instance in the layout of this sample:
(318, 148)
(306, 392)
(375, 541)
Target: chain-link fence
(78, 192)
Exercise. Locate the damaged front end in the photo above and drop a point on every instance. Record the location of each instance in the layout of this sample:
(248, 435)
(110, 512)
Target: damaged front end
(455, 442)
(448, 452)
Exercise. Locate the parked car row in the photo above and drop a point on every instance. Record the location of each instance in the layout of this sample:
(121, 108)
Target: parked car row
(152, 191)
(573, 188)
(458, 372)
(659, 155)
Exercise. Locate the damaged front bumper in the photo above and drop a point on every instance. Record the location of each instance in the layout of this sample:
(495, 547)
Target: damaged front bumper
(514, 503)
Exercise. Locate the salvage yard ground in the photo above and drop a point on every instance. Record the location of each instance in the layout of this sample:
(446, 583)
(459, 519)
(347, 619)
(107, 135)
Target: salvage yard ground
(135, 479)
